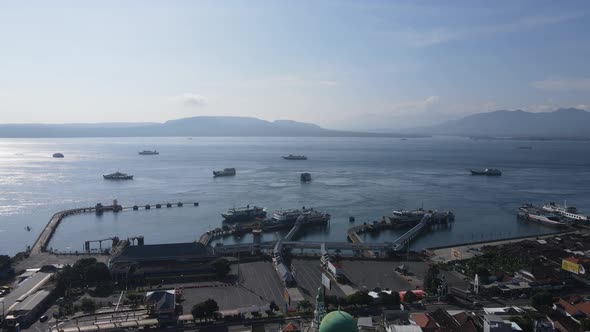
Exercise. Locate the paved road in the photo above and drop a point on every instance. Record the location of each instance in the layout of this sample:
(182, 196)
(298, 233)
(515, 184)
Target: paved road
(308, 275)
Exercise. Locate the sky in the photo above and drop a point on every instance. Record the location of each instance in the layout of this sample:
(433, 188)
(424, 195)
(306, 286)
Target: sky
(370, 65)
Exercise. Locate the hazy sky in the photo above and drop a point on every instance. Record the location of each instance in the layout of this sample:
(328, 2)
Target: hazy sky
(340, 64)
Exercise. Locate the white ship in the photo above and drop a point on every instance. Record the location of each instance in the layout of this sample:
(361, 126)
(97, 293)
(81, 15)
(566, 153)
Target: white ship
(568, 212)
(291, 215)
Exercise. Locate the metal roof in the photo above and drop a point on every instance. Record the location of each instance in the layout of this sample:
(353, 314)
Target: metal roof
(32, 301)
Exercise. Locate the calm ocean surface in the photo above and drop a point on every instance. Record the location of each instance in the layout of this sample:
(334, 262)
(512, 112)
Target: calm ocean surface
(362, 177)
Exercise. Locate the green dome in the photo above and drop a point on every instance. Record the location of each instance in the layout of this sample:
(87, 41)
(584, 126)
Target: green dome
(338, 321)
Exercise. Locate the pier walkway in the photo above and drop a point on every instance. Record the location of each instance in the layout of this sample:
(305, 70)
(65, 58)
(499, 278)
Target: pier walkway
(42, 241)
(40, 244)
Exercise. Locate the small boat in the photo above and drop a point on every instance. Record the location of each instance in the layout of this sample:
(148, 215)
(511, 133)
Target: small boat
(118, 176)
(294, 157)
(487, 171)
(148, 153)
(525, 147)
(58, 155)
(28, 228)
(305, 177)
(225, 172)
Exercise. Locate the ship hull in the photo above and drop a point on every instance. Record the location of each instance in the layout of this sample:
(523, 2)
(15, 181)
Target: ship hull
(485, 173)
(106, 177)
(243, 217)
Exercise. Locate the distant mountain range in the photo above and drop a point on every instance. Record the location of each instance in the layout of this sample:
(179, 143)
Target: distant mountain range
(568, 123)
(562, 123)
(193, 126)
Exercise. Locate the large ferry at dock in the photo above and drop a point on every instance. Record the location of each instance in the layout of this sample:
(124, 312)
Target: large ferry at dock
(246, 213)
(567, 211)
(529, 212)
(291, 215)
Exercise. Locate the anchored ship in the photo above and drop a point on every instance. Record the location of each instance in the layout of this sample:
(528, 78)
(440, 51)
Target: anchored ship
(118, 176)
(487, 171)
(305, 177)
(291, 215)
(58, 155)
(567, 211)
(529, 212)
(225, 172)
(148, 152)
(246, 213)
(294, 157)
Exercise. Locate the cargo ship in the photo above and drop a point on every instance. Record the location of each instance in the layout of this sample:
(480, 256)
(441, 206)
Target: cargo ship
(225, 172)
(246, 213)
(487, 171)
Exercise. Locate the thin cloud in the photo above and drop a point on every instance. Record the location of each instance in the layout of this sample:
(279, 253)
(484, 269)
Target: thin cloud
(576, 84)
(190, 99)
(295, 81)
(417, 106)
(442, 35)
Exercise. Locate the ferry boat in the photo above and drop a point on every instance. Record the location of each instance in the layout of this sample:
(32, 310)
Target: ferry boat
(530, 213)
(567, 211)
(58, 155)
(408, 216)
(291, 215)
(148, 153)
(246, 213)
(225, 172)
(118, 176)
(294, 157)
(487, 171)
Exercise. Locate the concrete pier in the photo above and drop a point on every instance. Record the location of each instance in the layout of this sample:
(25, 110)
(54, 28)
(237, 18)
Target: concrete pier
(42, 241)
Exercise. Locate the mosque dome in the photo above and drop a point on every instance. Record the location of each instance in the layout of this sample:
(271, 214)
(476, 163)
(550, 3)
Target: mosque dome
(338, 321)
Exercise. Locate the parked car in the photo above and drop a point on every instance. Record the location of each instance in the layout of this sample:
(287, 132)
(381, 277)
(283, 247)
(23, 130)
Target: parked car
(43, 319)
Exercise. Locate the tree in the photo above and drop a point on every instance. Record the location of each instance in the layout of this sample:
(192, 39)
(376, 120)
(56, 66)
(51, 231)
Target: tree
(304, 305)
(198, 311)
(5, 262)
(526, 323)
(542, 299)
(273, 306)
(359, 298)
(390, 299)
(431, 281)
(221, 267)
(88, 305)
(410, 297)
(96, 273)
(585, 324)
(211, 307)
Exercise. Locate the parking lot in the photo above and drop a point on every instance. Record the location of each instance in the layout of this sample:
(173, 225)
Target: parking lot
(308, 275)
(366, 275)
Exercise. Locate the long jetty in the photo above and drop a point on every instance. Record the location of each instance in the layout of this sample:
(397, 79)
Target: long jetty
(40, 244)
(42, 241)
